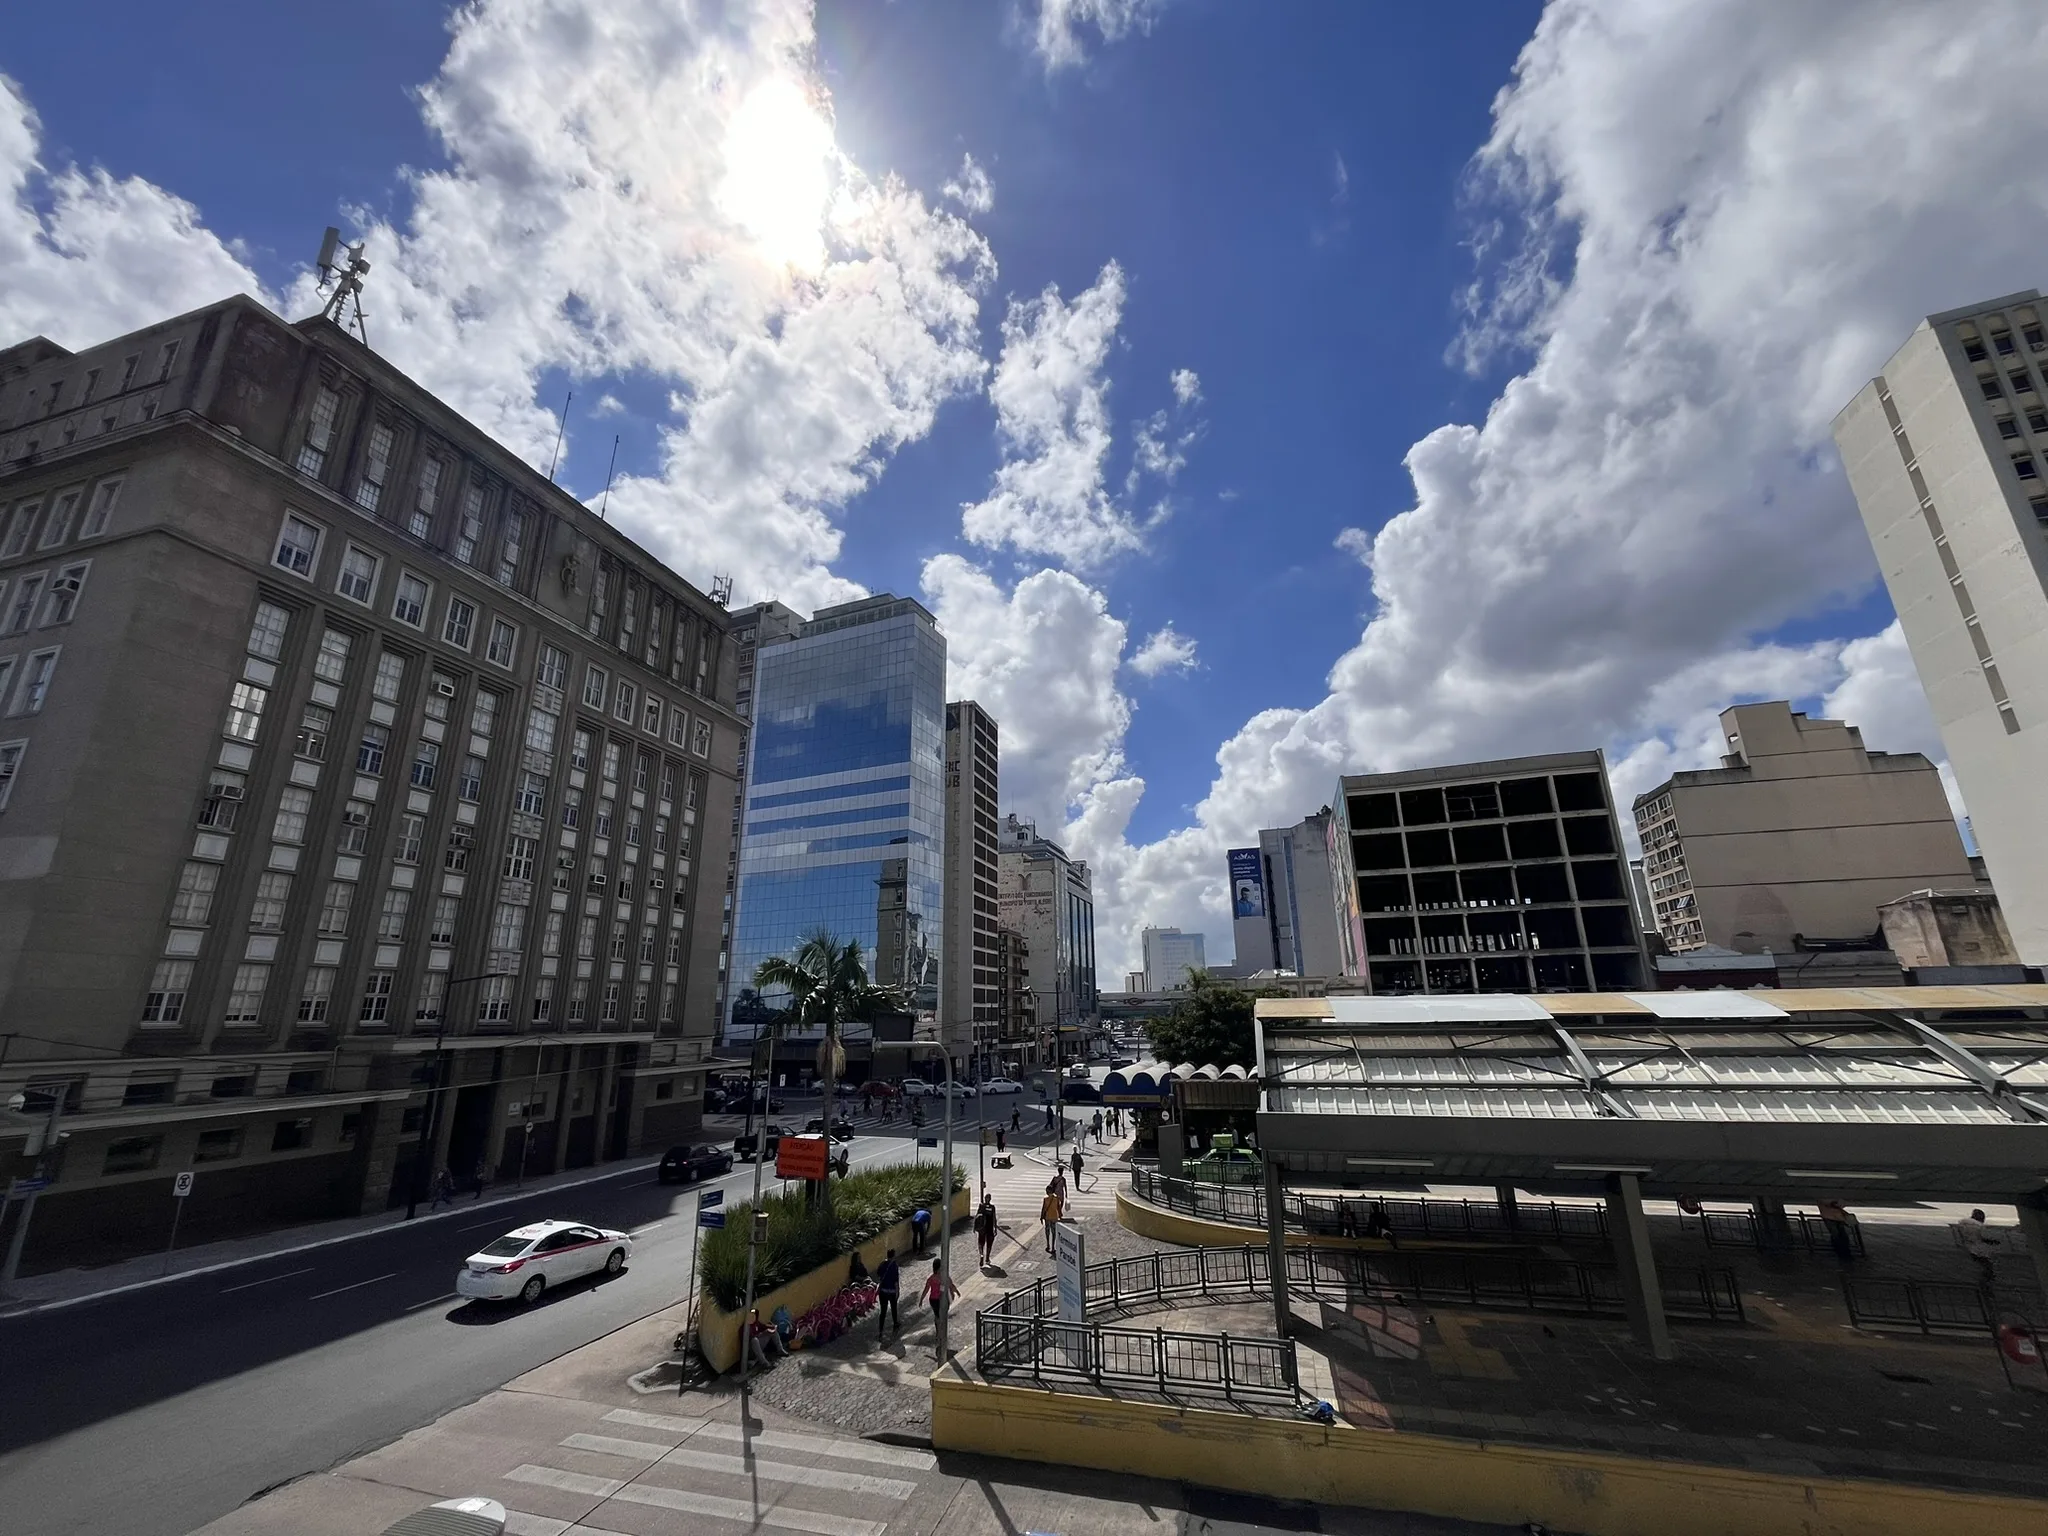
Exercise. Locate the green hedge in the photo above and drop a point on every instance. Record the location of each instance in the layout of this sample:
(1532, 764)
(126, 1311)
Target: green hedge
(801, 1237)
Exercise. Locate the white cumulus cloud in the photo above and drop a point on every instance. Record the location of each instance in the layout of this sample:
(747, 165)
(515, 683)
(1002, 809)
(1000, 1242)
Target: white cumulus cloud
(1187, 385)
(1713, 224)
(1059, 34)
(651, 188)
(1167, 650)
(86, 254)
(970, 187)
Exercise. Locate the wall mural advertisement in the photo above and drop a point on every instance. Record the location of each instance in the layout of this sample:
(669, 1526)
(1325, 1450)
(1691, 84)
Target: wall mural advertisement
(1247, 883)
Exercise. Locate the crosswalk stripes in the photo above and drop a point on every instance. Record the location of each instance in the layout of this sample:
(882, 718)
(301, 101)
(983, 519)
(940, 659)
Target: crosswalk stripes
(694, 1454)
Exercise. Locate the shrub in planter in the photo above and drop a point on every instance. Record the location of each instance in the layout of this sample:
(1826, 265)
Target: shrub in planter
(801, 1237)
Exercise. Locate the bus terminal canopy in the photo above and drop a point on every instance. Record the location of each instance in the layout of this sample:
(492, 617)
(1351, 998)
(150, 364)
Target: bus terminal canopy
(1874, 1095)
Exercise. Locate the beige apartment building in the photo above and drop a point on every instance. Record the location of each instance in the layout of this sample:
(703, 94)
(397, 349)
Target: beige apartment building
(970, 986)
(356, 782)
(1945, 450)
(1801, 834)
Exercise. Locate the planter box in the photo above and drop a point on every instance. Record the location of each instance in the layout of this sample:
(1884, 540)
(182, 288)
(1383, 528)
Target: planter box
(718, 1331)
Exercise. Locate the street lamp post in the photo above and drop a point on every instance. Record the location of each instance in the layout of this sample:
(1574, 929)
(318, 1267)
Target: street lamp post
(945, 1192)
(423, 1155)
(755, 1223)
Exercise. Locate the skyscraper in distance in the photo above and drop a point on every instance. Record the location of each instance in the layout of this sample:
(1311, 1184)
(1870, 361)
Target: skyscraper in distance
(844, 822)
(1945, 451)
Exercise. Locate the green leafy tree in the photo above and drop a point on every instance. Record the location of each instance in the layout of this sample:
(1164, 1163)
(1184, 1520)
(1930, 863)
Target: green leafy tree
(1211, 1024)
(827, 982)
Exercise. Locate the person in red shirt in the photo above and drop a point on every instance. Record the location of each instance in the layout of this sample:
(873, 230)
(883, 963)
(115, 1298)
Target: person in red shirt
(938, 1290)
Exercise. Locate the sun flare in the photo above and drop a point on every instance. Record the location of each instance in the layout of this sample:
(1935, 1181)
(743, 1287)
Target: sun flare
(777, 178)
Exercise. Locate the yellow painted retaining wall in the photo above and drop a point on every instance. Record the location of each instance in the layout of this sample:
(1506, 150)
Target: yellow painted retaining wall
(1580, 1491)
(718, 1331)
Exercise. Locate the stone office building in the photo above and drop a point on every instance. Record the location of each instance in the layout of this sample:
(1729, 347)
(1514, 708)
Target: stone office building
(330, 735)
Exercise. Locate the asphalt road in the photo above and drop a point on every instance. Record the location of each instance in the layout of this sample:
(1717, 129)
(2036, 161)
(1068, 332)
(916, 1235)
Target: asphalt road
(153, 1412)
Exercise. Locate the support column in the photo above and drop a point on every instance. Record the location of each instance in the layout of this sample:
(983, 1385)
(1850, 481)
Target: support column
(1637, 1265)
(1505, 1195)
(1276, 1248)
(1773, 1226)
(2034, 1228)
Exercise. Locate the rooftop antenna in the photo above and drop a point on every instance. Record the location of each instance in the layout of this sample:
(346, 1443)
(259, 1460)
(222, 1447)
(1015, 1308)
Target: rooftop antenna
(343, 268)
(607, 501)
(721, 591)
(560, 427)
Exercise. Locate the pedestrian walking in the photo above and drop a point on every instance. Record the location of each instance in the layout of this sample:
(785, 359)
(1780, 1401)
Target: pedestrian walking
(1049, 1213)
(1347, 1219)
(1979, 1244)
(938, 1290)
(1016, 1118)
(483, 1176)
(1059, 1184)
(444, 1189)
(1075, 1162)
(1095, 1126)
(1835, 1216)
(888, 1277)
(985, 1229)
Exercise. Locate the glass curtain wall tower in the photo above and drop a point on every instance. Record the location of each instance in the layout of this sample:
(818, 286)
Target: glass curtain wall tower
(845, 805)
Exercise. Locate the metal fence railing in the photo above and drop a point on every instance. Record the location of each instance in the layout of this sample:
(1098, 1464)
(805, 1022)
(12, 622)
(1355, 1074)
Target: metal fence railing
(1741, 1229)
(1929, 1306)
(1021, 1332)
(1542, 1221)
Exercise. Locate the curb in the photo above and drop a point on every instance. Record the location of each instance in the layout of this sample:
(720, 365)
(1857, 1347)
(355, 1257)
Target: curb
(323, 1242)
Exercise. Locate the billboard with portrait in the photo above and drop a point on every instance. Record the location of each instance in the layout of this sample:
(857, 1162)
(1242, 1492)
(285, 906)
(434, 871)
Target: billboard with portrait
(1247, 883)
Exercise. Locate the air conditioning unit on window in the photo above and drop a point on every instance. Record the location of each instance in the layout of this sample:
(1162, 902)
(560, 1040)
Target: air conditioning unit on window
(566, 859)
(228, 791)
(657, 883)
(445, 686)
(598, 882)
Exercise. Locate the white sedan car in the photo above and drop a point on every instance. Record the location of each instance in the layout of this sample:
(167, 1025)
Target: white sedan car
(1002, 1085)
(522, 1264)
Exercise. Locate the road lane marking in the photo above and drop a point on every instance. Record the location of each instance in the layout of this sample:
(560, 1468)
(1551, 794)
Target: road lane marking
(288, 1274)
(605, 1445)
(323, 1295)
(648, 1228)
(667, 1421)
(817, 1523)
(817, 1445)
(519, 1523)
(789, 1472)
(568, 1482)
(430, 1301)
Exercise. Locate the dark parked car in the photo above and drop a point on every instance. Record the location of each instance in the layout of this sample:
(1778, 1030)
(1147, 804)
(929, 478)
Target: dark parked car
(841, 1131)
(686, 1165)
(1072, 1092)
(767, 1139)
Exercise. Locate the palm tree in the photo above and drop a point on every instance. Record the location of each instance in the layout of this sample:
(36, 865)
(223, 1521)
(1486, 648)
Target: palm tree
(827, 982)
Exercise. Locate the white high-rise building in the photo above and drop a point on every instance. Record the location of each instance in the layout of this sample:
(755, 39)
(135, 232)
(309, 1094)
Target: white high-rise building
(970, 1008)
(1944, 450)
(1169, 956)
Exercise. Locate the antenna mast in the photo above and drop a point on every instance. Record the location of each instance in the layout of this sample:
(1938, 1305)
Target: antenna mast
(560, 428)
(609, 468)
(721, 591)
(345, 270)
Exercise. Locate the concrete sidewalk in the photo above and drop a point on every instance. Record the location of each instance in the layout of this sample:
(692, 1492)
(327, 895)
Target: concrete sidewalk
(66, 1287)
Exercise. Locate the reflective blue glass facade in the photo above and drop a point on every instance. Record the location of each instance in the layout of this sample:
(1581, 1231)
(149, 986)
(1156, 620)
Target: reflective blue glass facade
(844, 816)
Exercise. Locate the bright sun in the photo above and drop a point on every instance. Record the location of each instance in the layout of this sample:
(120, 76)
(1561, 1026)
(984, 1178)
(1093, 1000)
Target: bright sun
(776, 180)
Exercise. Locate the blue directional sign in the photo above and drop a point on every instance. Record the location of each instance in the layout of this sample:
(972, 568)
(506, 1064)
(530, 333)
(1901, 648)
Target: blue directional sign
(711, 1218)
(708, 1203)
(710, 1197)
(927, 1141)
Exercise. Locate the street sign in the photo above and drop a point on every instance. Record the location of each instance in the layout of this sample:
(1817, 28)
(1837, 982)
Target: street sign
(181, 1186)
(1070, 1253)
(709, 1197)
(801, 1157)
(711, 1218)
(26, 1186)
(927, 1141)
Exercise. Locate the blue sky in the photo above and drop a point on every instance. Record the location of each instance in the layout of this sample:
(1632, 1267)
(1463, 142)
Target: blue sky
(1509, 331)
